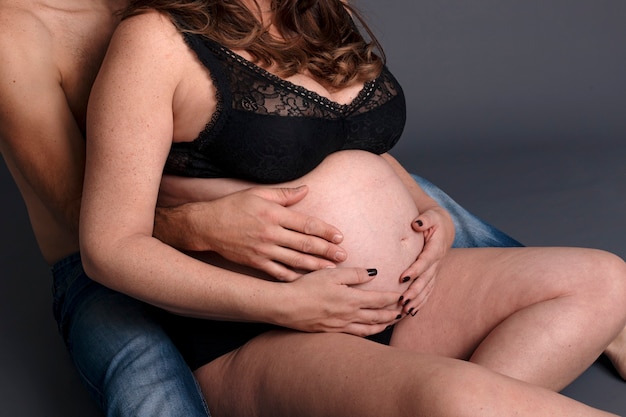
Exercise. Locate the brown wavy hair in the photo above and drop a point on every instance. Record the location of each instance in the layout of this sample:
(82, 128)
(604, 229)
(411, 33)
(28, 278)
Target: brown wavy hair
(318, 36)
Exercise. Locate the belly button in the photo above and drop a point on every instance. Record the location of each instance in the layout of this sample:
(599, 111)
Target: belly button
(406, 238)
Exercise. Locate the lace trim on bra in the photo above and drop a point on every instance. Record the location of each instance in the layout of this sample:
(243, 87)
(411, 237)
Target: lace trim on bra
(342, 109)
(243, 85)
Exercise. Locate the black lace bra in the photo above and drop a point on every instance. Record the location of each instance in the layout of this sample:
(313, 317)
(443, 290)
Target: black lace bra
(268, 130)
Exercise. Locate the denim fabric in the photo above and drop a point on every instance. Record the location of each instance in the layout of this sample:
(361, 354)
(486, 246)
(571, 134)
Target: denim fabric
(127, 362)
(471, 232)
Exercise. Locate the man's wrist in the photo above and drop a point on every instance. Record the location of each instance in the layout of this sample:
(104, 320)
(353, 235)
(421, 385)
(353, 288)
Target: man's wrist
(172, 225)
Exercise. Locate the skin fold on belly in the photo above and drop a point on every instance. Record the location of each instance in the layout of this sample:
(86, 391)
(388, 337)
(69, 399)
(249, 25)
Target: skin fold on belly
(360, 194)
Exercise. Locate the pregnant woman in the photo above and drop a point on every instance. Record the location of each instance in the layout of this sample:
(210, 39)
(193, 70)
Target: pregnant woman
(273, 93)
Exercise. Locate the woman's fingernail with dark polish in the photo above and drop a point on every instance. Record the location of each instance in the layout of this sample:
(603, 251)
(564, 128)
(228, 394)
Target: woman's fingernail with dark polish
(414, 313)
(399, 316)
(406, 279)
(372, 271)
(406, 302)
(401, 298)
(411, 310)
(419, 223)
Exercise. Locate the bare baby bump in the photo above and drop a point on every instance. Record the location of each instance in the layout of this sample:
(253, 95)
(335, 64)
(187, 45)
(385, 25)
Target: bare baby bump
(355, 191)
(359, 193)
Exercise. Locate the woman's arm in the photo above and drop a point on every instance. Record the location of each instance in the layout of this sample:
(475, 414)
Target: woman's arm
(438, 229)
(130, 125)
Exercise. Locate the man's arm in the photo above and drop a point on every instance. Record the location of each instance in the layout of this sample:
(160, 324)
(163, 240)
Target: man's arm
(39, 139)
(257, 228)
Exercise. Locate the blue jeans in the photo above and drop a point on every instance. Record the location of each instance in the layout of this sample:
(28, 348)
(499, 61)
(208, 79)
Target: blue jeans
(129, 364)
(471, 232)
(122, 354)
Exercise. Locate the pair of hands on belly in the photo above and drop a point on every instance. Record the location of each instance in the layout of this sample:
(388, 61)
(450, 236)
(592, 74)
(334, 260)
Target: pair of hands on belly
(255, 227)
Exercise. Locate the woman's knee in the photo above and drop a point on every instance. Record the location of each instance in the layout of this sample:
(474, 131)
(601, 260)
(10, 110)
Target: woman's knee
(603, 286)
(607, 273)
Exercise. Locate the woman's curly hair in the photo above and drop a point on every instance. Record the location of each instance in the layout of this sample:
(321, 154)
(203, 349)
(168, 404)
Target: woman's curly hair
(317, 36)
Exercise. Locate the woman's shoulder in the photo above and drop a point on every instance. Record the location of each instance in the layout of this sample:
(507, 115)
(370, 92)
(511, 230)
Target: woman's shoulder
(148, 35)
(148, 27)
(146, 48)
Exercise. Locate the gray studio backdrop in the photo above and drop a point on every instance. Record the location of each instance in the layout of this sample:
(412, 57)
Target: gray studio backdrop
(516, 108)
(499, 70)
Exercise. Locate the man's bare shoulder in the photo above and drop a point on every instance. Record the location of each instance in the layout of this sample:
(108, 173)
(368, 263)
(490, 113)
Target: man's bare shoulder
(22, 20)
(24, 36)
(59, 30)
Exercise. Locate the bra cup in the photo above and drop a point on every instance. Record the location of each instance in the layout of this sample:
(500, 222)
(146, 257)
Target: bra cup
(269, 130)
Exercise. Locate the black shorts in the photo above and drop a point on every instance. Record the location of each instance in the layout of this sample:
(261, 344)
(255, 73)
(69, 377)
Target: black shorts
(201, 341)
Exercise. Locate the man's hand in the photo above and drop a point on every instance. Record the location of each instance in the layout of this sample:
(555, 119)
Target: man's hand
(255, 227)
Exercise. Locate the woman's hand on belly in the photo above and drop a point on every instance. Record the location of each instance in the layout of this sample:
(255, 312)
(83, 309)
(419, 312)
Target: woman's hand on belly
(422, 273)
(333, 300)
(438, 229)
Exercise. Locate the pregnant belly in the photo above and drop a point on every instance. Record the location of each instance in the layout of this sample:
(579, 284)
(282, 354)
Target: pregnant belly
(360, 194)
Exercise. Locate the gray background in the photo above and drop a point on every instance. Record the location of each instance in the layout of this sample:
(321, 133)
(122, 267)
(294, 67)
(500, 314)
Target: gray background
(516, 109)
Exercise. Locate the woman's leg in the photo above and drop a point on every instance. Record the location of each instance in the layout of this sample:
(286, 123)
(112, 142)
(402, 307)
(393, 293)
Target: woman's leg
(472, 231)
(616, 352)
(304, 374)
(541, 315)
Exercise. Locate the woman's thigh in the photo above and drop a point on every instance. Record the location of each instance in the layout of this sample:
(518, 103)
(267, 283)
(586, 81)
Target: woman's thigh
(287, 373)
(478, 289)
